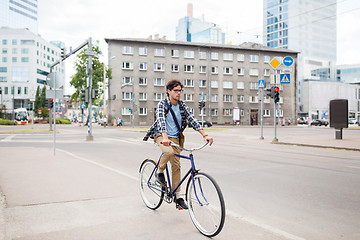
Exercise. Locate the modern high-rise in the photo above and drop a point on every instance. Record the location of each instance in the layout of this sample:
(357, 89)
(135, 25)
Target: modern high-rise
(192, 29)
(19, 14)
(306, 26)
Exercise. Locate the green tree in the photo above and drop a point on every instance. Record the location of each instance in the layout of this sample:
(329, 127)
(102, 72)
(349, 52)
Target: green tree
(43, 97)
(37, 98)
(79, 80)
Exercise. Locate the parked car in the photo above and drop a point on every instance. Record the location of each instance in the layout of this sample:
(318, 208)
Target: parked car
(302, 120)
(352, 121)
(206, 123)
(319, 122)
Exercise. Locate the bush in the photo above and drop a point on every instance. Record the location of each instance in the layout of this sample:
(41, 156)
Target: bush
(6, 122)
(62, 121)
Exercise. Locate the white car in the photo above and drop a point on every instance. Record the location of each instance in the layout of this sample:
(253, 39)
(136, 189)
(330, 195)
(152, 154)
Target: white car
(352, 121)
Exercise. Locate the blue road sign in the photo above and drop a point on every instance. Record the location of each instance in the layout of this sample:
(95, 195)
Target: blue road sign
(83, 105)
(285, 78)
(288, 61)
(261, 84)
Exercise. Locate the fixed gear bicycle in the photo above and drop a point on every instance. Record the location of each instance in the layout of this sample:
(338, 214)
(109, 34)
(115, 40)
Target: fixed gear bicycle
(203, 195)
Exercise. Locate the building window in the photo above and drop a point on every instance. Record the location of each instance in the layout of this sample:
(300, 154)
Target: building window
(159, 96)
(266, 59)
(214, 70)
(4, 50)
(4, 42)
(3, 69)
(159, 52)
(4, 59)
(214, 112)
(189, 97)
(266, 112)
(143, 81)
(280, 113)
(174, 67)
(227, 98)
(254, 58)
(240, 85)
(214, 98)
(127, 65)
(159, 67)
(202, 69)
(143, 66)
(19, 90)
(228, 70)
(126, 95)
(227, 85)
(189, 68)
(266, 72)
(253, 99)
(189, 83)
(189, 54)
(174, 53)
(26, 90)
(254, 72)
(159, 82)
(142, 96)
(127, 80)
(14, 59)
(14, 42)
(241, 71)
(240, 57)
(227, 112)
(14, 51)
(253, 85)
(228, 56)
(214, 56)
(142, 111)
(3, 79)
(143, 51)
(202, 55)
(240, 98)
(125, 111)
(214, 84)
(202, 83)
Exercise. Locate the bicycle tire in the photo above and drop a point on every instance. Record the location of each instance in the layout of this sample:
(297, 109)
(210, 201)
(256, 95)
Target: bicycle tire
(207, 206)
(151, 197)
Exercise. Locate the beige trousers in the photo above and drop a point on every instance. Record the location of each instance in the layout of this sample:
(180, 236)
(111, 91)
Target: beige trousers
(169, 156)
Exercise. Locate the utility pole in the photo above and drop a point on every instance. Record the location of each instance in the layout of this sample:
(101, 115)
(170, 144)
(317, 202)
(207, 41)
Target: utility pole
(90, 53)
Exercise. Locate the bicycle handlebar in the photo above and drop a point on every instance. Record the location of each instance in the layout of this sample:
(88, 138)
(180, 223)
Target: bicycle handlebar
(191, 149)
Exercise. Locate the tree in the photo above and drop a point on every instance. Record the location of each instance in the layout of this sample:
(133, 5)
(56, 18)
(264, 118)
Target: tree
(43, 97)
(37, 99)
(79, 80)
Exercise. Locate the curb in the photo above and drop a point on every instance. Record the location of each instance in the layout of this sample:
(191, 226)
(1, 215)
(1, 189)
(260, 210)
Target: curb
(320, 146)
(2, 216)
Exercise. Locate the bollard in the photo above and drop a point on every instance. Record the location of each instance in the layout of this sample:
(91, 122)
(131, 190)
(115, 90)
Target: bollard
(338, 133)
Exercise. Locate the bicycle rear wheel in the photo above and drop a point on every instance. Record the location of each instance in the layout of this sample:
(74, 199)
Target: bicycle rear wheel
(206, 204)
(150, 190)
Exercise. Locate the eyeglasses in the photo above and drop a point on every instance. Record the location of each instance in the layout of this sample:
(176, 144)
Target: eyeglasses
(178, 90)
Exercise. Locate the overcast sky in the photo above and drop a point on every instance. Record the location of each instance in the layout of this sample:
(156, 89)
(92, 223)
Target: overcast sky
(74, 21)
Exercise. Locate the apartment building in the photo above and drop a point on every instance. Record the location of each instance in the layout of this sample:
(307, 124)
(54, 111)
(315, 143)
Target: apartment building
(224, 76)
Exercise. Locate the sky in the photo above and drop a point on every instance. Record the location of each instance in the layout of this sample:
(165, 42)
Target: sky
(74, 21)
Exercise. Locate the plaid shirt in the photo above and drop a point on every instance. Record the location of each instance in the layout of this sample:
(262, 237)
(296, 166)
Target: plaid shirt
(162, 111)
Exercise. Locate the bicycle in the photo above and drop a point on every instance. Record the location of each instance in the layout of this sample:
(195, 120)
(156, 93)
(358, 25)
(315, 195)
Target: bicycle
(203, 195)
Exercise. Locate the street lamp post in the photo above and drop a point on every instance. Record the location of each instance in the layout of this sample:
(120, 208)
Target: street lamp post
(132, 101)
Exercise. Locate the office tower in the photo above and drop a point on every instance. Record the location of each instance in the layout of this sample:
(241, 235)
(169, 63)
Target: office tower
(192, 29)
(19, 14)
(306, 26)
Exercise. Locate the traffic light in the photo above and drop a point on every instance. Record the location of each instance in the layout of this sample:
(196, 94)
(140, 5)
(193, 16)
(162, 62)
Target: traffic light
(95, 93)
(63, 53)
(51, 103)
(84, 95)
(271, 92)
(201, 104)
(276, 94)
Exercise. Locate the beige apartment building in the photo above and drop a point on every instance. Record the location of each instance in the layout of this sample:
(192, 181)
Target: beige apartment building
(226, 77)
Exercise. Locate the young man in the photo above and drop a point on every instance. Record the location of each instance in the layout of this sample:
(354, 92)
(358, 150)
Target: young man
(166, 130)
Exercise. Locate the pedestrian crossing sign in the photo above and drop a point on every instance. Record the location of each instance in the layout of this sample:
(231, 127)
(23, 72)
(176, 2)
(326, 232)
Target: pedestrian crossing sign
(285, 78)
(261, 84)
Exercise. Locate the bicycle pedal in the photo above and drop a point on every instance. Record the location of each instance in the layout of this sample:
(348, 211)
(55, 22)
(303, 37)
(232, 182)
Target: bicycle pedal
(178, 207)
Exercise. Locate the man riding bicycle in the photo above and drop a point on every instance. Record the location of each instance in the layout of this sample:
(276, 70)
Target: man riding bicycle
(169, 128)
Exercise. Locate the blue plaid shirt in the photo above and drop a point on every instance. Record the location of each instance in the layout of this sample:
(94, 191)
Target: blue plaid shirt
(162, 111)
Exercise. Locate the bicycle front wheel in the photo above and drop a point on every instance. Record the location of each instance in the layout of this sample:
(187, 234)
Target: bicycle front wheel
(150, 190)
(206, 204)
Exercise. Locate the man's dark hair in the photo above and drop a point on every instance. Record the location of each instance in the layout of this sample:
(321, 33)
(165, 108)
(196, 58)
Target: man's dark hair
(172, 84)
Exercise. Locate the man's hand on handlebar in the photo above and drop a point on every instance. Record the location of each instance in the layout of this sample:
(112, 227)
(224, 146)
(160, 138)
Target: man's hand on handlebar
(209, 139)
(166, 142)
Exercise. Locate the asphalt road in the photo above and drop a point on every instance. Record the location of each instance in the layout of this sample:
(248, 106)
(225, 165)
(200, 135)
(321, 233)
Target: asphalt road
(89, 190)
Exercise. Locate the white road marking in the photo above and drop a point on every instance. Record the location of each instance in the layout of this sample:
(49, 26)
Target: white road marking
(8, 138)
(228, 212)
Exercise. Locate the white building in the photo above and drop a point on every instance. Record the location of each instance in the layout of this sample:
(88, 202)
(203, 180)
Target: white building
(192, 29)
(25, 60)
(317, 96)
(306, 26)
(19, 14)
